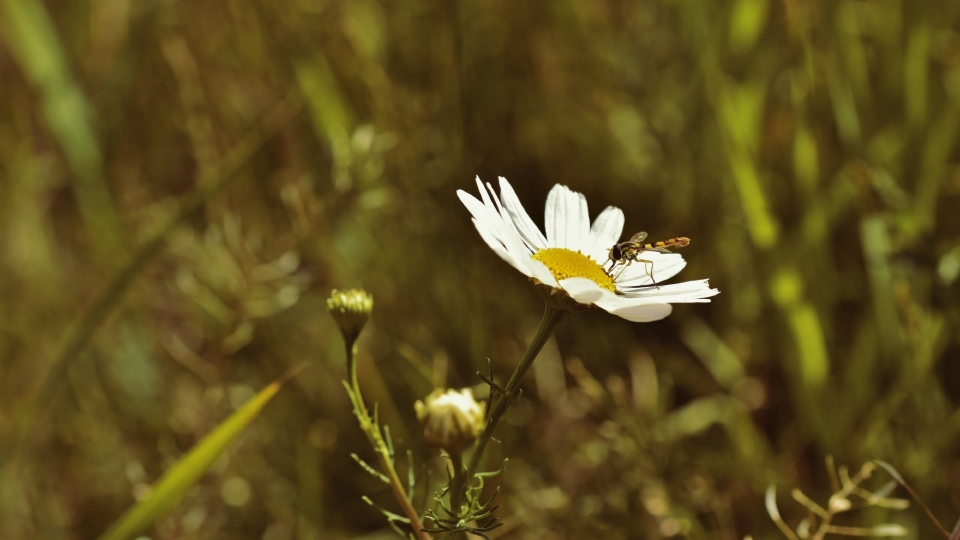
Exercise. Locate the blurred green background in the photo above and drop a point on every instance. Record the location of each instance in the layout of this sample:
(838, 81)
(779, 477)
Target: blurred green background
(808, 149)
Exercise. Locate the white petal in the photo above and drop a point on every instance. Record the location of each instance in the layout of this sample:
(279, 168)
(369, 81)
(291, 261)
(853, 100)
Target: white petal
(583, 290)
(664, 266)
(504, 225)
(499, 248)
(566, 218)
(528, 229)
(553, 218)
(634, 309)
(496, 228)
(511, 236)
(502, 229)
(485, 196)
(688, 291)
(643, 312)
(579, 227)
(478, 210)
(540, 272)
(607, 228)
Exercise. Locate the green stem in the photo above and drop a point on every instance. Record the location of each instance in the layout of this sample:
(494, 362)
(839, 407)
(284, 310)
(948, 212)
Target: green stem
(551, 317)
(372, 431)
(351, 346)
(459, 478)
(459, 485)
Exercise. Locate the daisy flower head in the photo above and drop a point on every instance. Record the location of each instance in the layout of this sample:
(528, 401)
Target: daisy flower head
(572, 257)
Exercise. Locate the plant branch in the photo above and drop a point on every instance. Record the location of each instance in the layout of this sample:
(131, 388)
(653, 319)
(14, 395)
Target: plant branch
(372, 430)
(551, 317)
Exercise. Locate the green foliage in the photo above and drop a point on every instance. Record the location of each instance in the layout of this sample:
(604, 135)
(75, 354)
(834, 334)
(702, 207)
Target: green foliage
(182, 475)
(38, 51)
(183, 183)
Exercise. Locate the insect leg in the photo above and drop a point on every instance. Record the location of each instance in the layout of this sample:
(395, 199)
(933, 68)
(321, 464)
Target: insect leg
(649, 269)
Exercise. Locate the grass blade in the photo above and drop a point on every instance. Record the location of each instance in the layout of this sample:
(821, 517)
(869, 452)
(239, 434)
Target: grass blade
(38, 51)
(180, 477)
(896, 476)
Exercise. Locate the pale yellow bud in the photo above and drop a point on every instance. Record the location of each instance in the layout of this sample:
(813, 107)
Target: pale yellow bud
(351, 310)
(450, 420)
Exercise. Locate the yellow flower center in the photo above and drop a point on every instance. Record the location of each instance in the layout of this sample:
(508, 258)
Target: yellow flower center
(564, 263)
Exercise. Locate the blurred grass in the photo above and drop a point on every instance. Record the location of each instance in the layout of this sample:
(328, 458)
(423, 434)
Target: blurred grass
(809, 149)
(35, 45)
(182, 475)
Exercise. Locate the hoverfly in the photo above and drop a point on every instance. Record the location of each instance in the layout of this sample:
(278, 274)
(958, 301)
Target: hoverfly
(625, 253)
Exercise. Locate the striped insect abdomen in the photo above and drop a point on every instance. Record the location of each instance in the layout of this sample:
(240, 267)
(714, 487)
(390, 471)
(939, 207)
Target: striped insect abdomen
(680, 241)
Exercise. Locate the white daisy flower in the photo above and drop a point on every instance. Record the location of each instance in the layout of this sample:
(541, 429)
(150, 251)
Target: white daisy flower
(572, 255)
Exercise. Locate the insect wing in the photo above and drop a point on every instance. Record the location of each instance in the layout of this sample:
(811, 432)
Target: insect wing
(639, 237)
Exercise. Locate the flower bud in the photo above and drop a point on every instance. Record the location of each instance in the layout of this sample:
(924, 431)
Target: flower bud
(450, 420)
(351, 310)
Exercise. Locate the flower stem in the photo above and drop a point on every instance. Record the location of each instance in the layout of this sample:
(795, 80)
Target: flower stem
(551, 317)
(372, 431)
(459, 478)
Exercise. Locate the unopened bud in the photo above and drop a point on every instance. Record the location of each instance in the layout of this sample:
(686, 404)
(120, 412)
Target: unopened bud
(351, 310)
(450, 420)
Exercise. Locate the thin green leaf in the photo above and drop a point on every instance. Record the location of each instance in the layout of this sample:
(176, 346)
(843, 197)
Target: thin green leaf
(388, 441)
(411, 480)
(396, 528)
(492, 497)
(391, 517)
(493, 473)
(353, 401)
(180, 477)
(373, 472)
